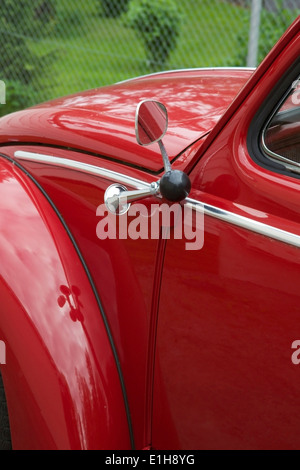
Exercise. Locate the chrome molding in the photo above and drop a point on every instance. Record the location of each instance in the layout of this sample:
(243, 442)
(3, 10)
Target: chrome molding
(209, 210)
(79, 166)
(195, 69)
(245, 222)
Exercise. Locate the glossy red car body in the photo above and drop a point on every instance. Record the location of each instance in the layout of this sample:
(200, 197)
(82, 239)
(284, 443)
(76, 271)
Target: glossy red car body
(122, 343)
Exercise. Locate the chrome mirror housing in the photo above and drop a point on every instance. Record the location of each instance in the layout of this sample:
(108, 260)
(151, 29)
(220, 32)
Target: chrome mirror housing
(151, 123)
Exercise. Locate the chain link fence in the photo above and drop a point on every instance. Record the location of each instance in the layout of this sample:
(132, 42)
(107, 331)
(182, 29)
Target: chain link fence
(50, 48)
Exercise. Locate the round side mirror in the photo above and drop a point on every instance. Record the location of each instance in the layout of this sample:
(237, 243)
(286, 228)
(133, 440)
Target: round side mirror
(151, 122)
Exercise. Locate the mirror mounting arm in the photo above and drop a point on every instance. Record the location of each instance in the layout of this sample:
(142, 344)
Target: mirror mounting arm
(167, 164)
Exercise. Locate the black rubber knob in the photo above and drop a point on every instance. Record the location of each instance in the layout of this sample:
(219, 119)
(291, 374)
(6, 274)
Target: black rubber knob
(175, 185)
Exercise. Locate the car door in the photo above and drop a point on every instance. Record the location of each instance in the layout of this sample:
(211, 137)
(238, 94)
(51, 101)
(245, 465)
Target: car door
(226, 367)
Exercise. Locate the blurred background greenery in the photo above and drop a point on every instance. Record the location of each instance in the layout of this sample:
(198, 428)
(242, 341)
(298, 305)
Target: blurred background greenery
(51, 48)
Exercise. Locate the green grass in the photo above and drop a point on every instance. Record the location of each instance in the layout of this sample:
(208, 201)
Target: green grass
(93, 51)
(209, 33)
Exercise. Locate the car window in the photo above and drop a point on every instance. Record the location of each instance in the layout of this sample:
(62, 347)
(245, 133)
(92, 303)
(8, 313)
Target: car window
(281, 137)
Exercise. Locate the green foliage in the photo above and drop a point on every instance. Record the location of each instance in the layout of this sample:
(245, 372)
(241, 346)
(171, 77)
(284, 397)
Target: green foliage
(113, 8)
(67, 23)
(272, 26)
(158, 24)
(44, 18)
(16, 54)
(21, 69)
(17, 96)
(69, 19)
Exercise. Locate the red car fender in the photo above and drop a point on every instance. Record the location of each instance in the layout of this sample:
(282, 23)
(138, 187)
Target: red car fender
(62, 382)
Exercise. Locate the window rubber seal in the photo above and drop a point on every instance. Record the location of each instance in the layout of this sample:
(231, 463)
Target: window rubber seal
(265, 113)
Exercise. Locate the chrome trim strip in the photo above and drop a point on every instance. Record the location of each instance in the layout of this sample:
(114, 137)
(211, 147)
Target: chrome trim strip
(207, 209)
(79, 166)
(191, 69)
(245, 222)
(286, 162)
(289, 164)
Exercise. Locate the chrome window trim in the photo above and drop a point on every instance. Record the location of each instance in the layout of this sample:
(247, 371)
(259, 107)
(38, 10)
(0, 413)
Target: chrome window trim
(209, 210)
(289, 164)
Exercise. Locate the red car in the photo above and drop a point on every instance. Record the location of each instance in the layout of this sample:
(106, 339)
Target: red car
(150, 263)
